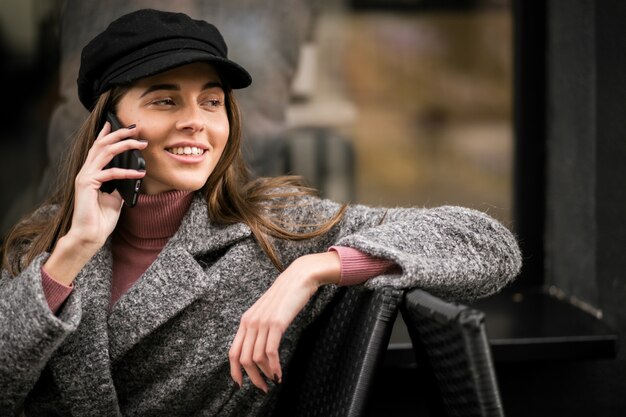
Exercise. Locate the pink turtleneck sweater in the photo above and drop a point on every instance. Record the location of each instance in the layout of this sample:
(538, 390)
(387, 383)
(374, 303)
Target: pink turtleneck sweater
(142, 232)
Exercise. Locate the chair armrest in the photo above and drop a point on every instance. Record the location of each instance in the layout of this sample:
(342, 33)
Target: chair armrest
(335, 362)
(450, 340)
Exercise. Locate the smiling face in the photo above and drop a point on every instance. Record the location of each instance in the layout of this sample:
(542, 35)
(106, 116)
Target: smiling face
(182, 114)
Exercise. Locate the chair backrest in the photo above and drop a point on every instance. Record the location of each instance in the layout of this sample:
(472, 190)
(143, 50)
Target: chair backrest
(450, 341)
(333, 368)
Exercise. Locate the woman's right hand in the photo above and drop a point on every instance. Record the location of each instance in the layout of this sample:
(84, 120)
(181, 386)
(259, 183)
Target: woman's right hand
(95, 212)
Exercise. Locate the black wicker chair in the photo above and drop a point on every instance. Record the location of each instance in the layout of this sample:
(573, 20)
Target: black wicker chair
(333, 368)
(451, 347)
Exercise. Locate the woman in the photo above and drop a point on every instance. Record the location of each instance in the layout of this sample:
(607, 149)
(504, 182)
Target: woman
(157, 309)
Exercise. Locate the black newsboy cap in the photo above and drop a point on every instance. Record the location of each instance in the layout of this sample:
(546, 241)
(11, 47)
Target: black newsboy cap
(147, 42)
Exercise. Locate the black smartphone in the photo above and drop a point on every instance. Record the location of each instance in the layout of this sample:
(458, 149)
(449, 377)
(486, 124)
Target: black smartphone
(131, 159)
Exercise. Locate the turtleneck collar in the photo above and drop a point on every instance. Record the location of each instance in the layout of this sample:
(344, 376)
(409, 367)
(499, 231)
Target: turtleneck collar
(155, 218)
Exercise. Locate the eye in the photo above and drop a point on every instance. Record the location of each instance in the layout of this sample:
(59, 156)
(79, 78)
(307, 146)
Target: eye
(163, 102)
(212, 101)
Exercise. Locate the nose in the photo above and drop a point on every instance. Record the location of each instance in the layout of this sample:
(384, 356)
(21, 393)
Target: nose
(191, 120)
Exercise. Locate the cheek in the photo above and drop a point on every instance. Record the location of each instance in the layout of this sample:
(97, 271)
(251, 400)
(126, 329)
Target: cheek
(221, 134)
(153, 131)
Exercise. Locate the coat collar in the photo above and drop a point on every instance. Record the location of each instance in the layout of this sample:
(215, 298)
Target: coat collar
(174, 280)
(198, 234)
(82, 365)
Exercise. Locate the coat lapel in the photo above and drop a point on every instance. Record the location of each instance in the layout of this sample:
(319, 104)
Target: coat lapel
(176, 278)
(81, 366)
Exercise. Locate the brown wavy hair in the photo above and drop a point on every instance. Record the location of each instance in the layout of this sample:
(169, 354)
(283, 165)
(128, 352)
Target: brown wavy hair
(231, 195)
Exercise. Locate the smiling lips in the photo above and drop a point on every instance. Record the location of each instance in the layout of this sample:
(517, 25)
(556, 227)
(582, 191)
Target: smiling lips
(186, 150)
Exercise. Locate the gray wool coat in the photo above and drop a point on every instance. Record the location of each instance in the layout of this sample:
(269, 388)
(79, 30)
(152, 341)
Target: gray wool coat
(162, 348)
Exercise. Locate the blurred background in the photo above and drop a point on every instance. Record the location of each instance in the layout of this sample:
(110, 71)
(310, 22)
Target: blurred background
(387, 105)
(512, 107)
(29, 66)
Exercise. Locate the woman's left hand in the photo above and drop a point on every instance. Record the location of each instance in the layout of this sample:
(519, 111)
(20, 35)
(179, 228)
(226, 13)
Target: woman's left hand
(255, 347)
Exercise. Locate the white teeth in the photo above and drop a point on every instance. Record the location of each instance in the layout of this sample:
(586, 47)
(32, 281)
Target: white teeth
(187, 150)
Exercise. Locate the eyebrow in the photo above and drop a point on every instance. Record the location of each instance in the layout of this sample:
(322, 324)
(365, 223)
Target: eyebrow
(175, 87)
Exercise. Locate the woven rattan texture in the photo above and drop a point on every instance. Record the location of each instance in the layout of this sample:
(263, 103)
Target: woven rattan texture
(457, 352)
(334, 365)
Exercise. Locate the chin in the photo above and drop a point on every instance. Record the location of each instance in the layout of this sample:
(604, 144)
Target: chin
(183, 180)
(191, 186)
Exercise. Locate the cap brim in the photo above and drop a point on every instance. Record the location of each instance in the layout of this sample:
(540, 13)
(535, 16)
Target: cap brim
(231, 72)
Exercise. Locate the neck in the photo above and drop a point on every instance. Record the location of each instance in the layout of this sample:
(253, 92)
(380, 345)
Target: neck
(154, 219)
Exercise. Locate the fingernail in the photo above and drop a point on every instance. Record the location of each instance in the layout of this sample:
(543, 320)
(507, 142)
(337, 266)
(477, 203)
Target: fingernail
(276, 380)
(132, 126)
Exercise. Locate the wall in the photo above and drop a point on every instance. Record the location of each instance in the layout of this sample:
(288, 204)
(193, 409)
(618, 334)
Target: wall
(585, 236)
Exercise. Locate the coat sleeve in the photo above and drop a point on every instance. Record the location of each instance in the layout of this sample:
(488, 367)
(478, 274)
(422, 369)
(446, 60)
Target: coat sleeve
(30, 331)
(453, 252)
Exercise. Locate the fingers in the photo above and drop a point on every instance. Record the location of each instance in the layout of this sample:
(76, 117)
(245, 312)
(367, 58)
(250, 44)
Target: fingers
(107, 136)
(118, 174)
(271, 350)
(247, 360)
(92, 175)
(233, 357)
(95, 212)
(259, 356)
(255, 346)
(107, 145)
(255, 349)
